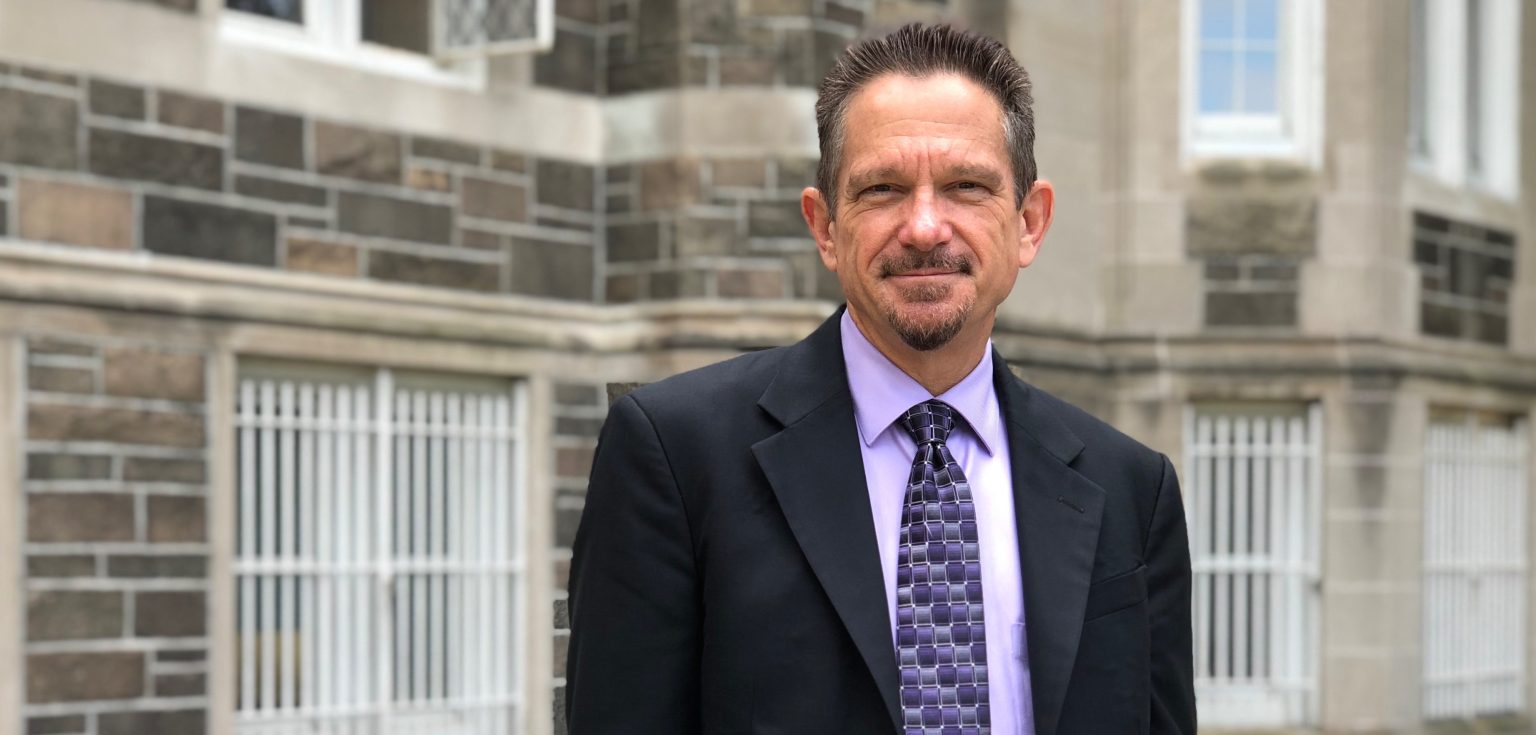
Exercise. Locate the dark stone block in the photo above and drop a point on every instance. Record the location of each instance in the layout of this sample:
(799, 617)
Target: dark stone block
(157, 567)
(510, 161)
(64, 615)
(1250, 309)
(163, 160)
(183, 722)
(177, 519)
(59, 725)
(1221, 269)
(578, 426)
(53, 346)
(622, 288)
(712, 22)
(209, 231)
(1284, 272)
(827, 46)
(181, 685)
(554, 269)
(170, 614)
(267, 137)
(562, 614)
(60, 379)
(281, 191)
(51, 421)
(72, 517)
(776, 219)
(43, 466)
(38, 129)
(571, 65)
(401, 219)
(576, 394)
(560, 727)
(77, 677)
(49, 76)
(678, 284)
(750, 283)
(183, 654)
(191, 111)
(1231, 225)
(565, 184)
(1492, 328)
(566, 522)
(615, 391)
(60, 565)
(155, 469)
(644, 75)
(1442, 321)
(116, 100)
(384, 265)
(445, 150)
(584, 11)
(357, 153)
(493, 199)
(634, 242)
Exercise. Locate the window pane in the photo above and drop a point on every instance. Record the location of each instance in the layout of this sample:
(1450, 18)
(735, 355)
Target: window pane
(1218, 20)
(1217, 71)
(401, 24)
(1261, 20)
(1259, 82)
(287, 10)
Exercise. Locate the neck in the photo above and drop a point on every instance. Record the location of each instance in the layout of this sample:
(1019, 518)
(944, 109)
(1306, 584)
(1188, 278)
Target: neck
(939, 369)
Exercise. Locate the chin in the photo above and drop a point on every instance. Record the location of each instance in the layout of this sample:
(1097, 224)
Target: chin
(928, 326)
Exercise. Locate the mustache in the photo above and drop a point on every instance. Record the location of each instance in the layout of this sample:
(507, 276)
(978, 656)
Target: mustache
(916, 260)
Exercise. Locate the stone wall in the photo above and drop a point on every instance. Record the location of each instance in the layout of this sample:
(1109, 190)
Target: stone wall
(106, 164)
(116, 545)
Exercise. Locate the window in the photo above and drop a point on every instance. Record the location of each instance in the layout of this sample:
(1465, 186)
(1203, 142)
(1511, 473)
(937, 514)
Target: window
(1251, 71)
(1476, 577)
(379, 567)
(1464, 101)
(1253, 476)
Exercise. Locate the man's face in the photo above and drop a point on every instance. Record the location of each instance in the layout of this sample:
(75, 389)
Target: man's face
(928, 240)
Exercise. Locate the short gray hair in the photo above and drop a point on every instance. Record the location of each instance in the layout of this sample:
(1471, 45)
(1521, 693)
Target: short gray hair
(918, 50)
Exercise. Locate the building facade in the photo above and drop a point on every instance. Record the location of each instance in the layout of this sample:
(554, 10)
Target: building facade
(308, 325)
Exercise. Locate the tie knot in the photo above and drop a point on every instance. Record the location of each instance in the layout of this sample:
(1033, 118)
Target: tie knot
(929, 422)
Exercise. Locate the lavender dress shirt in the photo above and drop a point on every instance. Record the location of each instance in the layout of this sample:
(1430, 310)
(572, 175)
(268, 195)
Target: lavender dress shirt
(881, 394)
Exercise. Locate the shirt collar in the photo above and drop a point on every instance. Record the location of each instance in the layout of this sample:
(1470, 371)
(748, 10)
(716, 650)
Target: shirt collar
(882, 392)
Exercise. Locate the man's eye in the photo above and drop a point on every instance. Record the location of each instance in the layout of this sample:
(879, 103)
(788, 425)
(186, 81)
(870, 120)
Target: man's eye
(968, 186)
(880, 189)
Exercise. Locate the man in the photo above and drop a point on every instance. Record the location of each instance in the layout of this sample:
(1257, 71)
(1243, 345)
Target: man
(881, 529)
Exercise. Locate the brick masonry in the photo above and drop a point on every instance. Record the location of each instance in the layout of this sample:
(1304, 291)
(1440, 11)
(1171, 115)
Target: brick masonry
(116, 546)
(579, 412)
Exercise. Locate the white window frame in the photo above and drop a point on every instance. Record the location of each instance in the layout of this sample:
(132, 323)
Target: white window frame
(1293, 133)
(1262, 462)
(332, 33)
(1445, 155)
(349, 577)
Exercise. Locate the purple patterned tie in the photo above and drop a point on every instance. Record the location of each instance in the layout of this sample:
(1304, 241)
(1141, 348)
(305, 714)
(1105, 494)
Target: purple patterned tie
(940, 635)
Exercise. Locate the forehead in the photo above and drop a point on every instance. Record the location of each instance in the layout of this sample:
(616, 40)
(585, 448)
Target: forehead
(895, 117)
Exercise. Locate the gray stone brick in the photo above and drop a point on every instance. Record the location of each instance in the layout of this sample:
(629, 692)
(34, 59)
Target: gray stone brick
(357, 153)
(422, 270)
(645, 74)
(776, 219)
(669, 184)
(56, 346)
(1230, 225)
(712, 22)
(562, 614)
(209, 231)
(77, 677)
(578, 426)
(70, 517)
(750, 283)
(584, 11)
(60, 379)
(281, 191)
(796, 173)
(46, 466)
(677, 284)
(182, 722)
(1250, 309)
(157, 567)
(150, 373)
(615, 391)
(170, 614)
(181, 654)
(125, 155)
(320, 256)
(116, 100)
(560, 727)
(565, 184)
(566, 522)
(477, 240)
(157, 469)
(493, 199)
(573, 462)
(401, 219)
(1222, 269)
(177, 519)
(60, 565)
(659, 22)
(50, 76)
(554, 269)
(576, 394)
(445, 150)
(510, 161)
(62, 615)
(622, 288)
(637, 241)
(123, 425)
(38, 129)
(57, 725)
(191, 111)
(268, 137)
(181, 685)
(571, 65)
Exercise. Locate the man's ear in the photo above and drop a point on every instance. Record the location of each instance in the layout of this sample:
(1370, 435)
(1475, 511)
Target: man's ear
(813, 206)
(1035, 219)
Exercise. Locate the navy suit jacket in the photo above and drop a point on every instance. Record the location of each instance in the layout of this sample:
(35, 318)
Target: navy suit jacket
(726, 577)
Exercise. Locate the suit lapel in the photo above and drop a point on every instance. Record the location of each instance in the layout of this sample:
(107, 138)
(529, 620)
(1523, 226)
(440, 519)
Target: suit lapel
(817, 472)
(1058, 513)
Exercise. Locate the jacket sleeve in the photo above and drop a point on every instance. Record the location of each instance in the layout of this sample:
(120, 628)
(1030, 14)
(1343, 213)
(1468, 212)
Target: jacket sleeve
(634, 592)
(1168, 584)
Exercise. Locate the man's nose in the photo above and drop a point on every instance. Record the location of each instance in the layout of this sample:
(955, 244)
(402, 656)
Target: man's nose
(925, 226)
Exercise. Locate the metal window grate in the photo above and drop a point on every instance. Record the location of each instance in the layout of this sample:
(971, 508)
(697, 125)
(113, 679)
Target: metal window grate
(378, 562)
(1476, 575)
(1253, 477)
(471, 28)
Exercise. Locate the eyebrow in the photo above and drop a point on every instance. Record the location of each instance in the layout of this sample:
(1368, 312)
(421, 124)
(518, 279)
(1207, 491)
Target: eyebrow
(859, 180)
